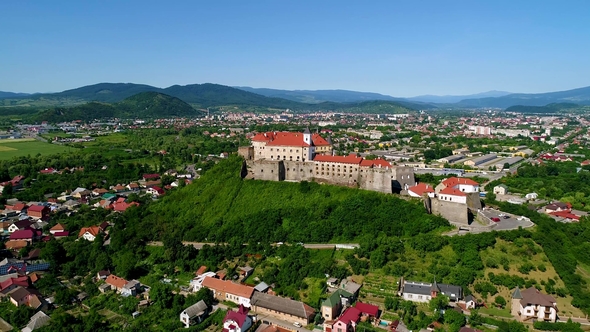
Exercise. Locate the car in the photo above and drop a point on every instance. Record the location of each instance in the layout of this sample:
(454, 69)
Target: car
(297, 324)
(506, 217)
(496, 219)
(501, 215)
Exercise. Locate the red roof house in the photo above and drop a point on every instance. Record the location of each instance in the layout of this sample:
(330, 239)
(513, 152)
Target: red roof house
(419, 190)
(38, 211)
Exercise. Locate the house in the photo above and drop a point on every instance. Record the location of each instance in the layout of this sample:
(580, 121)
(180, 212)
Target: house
(18, 207)
(148, 177)
(49, 170)
(452, 195)
(57, 229)
(12, 283)
(194, 314)
(424, 292)
(282, 308)
(557, 206)
(465, 185)
(16, 183)
(501, 189)
(24, 234)
(368, 310)
(89, 233)
(565, 216)
(119, 188)
(61, 235)
(151, 184)
(22, 296)
(120, 205)
(532, 304)
(131, 288)
(38, 211)
(245, 271)
(133, 187)
(262, 287)
(346, 323)
(38, 320)
(102, 274)
(332, 282)
(116, 283)
(20, 225)
(99, 191)
(351, 287)
(420, 189)
(81, 193)
(226, 290)
(332, 306)
(237, 321)
(156, 191)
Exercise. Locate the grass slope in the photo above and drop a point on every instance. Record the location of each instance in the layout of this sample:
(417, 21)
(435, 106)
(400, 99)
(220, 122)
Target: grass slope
(221, 205)
(18, 148)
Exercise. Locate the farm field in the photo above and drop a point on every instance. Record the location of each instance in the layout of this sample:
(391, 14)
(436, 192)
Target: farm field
(22, 147)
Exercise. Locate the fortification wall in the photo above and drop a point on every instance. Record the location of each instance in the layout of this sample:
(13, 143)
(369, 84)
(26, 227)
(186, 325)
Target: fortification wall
(267, 170)
(247, 152)
(453, 212)
(376, 179)
(473, 201)
(298, 171)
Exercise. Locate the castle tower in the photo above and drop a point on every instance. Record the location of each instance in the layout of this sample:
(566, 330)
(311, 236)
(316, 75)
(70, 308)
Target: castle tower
(307, 136)
(515, 303)
(434, 290)
(307, 139)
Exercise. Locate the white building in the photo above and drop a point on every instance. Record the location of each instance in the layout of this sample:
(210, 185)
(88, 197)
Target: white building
(452, 195)
(531, 303)
(424, 292)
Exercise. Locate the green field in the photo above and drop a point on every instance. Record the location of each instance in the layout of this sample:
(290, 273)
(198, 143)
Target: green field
(18, 148)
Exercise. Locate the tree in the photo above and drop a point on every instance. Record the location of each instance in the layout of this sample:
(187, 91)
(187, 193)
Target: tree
(438, 302)
(454, 319)
(391, 303)
(7, 190)
(500, 301)
(475, 319)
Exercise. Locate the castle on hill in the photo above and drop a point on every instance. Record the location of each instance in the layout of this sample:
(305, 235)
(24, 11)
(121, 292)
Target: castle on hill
(296, 156)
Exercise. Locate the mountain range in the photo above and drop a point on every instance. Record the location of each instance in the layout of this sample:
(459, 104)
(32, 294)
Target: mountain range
(215, 95)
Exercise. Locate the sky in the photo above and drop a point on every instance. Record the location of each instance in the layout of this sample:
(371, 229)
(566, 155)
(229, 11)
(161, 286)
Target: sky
(401, 48)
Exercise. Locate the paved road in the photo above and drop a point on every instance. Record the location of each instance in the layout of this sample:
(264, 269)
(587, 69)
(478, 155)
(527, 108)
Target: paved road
(199, 245)
(509, 223)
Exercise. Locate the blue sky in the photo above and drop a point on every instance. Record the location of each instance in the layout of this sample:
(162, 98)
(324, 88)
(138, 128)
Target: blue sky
(400, 48)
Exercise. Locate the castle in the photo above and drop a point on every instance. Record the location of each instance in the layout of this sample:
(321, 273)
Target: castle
(296, 156)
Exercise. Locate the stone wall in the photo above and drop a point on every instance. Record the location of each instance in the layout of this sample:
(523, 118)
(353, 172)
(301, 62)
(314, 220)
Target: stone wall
(298, 171)
(453, 212)
(265, 170)
(376, 179)
(403, 178)
(247, 152)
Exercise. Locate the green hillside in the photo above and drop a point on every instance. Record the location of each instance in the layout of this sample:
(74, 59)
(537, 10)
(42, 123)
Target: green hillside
(221, 206)
(145, 104)
(549, 108)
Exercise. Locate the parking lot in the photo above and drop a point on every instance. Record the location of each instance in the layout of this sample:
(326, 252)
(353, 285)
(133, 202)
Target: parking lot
(506, 221)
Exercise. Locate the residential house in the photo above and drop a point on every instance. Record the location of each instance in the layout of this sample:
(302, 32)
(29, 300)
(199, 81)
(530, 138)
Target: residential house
(237, 321)
(245, 271)
(102, 274)
(133, 187)
(465, 185)
(61, 235)
(38, 211)
(16, 182)
(151, 177)
(57, 228)
(24, 234)
(99, 191)
(351, 287)
(81, 193)
(282, 308)
(18, 207)
(119, 188)
(557, 206)
(11, 283)
(151, 184)
(116, 283)
(22, 296)
(420, 189)
(226, 290)
(424, 292)
(452, 195)
(16, 245)
(332, 306)
(194, 314)
(501, 189)
(90, 233)
(532, 304)
(38, 320)
(156, 191)
(351, 317)
(131, 288)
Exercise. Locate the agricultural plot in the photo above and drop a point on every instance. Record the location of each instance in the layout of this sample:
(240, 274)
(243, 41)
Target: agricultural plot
(23, 147)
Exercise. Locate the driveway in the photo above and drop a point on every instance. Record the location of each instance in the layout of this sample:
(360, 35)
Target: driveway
(509, 223)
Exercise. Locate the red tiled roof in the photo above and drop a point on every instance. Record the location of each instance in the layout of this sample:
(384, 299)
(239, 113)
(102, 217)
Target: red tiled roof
(47, 171)
(118, 282)
(452, 191)
(421, 188)
(454, 181)
(237, 317)
(351, 314)
(123, 206)
(151, 176)
(36, 208)
(19, 281)
(94, 230)
(24, 234)
(565, 214)
(288, 139)
(319, 140)
(350, 159)
(228, 287)
(369, 309)
(264, 137)
(16, 244)
(61, 234)
(201, 270)
(19, 206)
(375, 163)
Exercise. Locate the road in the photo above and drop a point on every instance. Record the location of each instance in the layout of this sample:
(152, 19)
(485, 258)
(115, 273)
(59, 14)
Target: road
(199, 245)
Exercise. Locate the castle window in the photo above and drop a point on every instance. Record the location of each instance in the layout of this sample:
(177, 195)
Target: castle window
(270, 149)
(316, 173)
(301, 170)
(284, 150)
(291, 150)
(297, 150)
(261, 171)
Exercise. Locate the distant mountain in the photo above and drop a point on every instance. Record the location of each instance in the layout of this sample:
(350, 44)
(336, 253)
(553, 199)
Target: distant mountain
(4, 94)
(319, 96)
(456, 99)
(550, 108)
(576, 96)
(142, 105)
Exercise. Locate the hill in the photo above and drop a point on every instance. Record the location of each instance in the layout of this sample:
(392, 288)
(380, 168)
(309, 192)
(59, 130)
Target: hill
(198, 95)
(550, 108)
(220, 206)
(579, 96)
(5, 94)
(145, 104)
(449, 99)
(319, 96)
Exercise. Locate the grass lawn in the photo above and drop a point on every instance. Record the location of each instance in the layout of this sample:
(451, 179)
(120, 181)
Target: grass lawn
(17, 148)
(493, 311)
